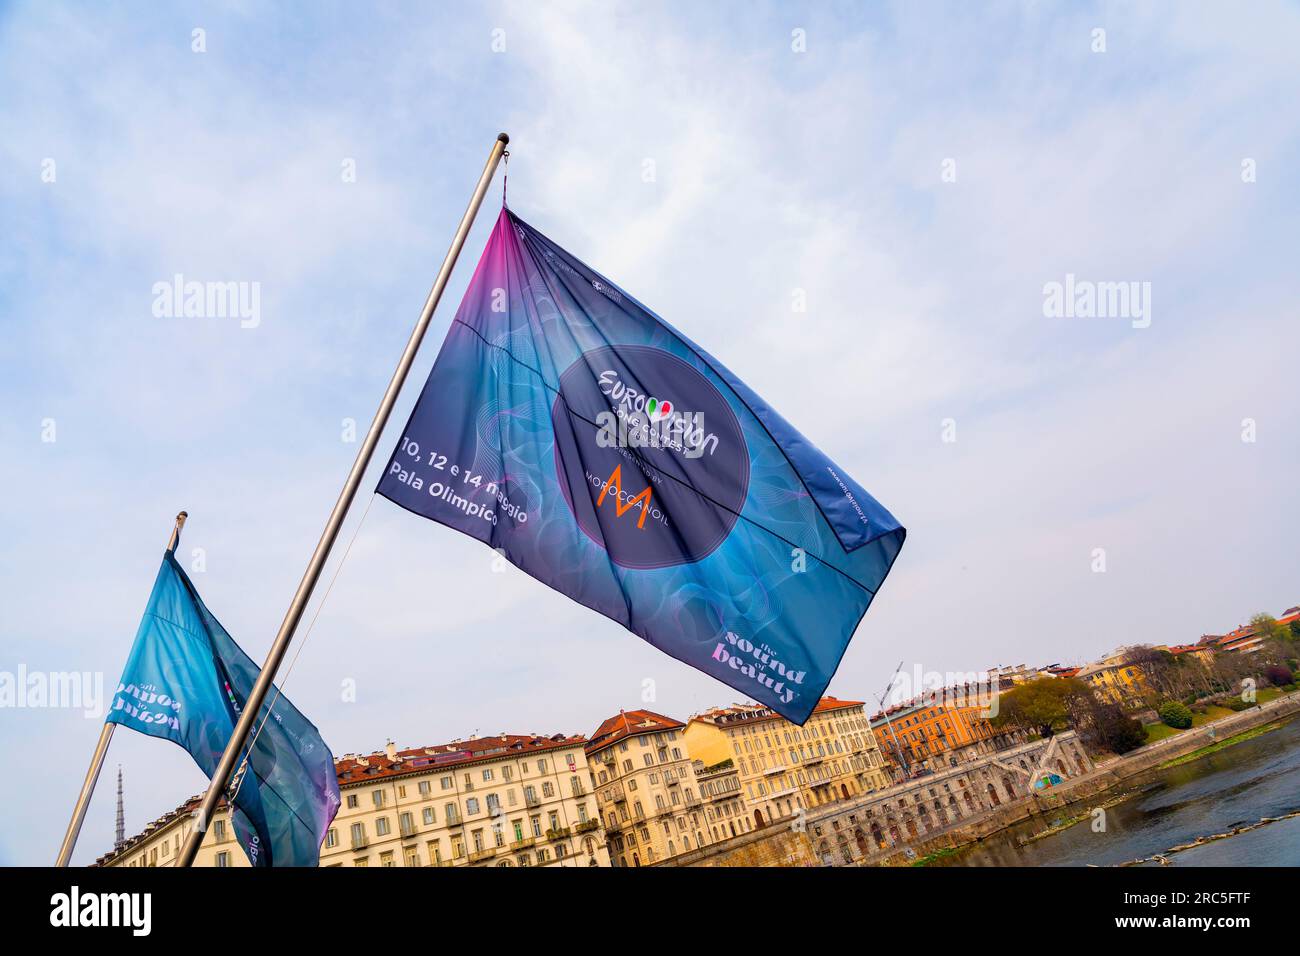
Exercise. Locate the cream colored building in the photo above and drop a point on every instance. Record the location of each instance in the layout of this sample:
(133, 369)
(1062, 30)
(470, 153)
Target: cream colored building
(648, 796)
(510, 800)
(724, 801)
(160, 842)
(784, 768)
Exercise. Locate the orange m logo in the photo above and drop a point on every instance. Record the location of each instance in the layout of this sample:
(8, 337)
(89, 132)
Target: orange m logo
(617, 485)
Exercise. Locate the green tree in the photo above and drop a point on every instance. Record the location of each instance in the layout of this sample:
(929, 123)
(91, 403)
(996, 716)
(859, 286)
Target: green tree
(1041, 705)
(1267, 627)
(1175, 714)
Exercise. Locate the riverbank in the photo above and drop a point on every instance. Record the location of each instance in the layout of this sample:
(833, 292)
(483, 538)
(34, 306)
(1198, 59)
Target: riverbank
(1076, 798)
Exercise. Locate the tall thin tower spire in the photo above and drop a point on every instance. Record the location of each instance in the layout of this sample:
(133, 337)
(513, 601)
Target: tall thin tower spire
(120, 836)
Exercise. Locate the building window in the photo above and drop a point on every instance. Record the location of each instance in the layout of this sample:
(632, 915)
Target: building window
(352, 801)
(428, 815)
(223, 858)
(331, 838)
(381, 826)
(378, 797)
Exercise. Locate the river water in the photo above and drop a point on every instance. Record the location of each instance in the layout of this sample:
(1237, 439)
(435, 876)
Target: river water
(1235, 786)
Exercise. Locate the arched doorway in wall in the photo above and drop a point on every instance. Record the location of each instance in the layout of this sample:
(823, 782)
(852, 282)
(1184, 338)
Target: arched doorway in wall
(758, 817)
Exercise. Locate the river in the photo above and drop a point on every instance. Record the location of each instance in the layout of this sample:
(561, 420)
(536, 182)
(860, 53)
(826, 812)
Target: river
(1238, 785)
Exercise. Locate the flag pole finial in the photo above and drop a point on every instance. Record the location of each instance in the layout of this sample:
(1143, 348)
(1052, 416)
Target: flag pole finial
(176, 531)
(504, 138)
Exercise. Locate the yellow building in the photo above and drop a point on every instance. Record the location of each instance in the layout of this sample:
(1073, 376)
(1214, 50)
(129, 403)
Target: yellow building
(1114, 680)
(648, 796)
(511, 800)
(783, 768)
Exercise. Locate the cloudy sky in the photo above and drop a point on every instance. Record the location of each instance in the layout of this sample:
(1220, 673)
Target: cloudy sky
(920, 172)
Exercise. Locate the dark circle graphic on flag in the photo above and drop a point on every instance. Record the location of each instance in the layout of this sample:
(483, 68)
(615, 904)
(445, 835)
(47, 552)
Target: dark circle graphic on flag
(651, 458)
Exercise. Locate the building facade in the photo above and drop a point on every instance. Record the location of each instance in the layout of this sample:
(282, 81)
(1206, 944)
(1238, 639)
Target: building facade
(938, 730)
(784, 769)
(866, 830)
(648, 796)
(724, 801)
(512, 800)
(1117, 681)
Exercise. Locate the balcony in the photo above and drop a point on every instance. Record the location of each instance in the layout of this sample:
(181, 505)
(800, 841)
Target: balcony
(409, 831)
(360, 842)
(532, 800)
(673, 781)
(587, 826)
(557, 834)
(579, 790)
(478, 856)
(454, 819)
(615, 794)
(692, 803)
(523, 843)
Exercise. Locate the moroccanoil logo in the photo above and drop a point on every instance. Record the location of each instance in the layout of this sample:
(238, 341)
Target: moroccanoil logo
(625, 500)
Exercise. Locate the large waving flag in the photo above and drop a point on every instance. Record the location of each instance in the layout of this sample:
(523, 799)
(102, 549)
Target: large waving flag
(608, 456)
(186, 681)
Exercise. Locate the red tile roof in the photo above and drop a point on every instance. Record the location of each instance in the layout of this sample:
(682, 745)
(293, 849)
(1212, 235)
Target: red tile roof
(359, 768)
(629, 723)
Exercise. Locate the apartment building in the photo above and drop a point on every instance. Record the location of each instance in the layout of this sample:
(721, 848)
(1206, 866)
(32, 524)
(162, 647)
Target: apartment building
(648, 797)
(784, 768)
(724, 800)
(509, 800)
(939, 730)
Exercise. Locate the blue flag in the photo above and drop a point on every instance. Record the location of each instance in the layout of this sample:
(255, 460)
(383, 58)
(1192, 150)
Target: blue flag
(608, 456)
(186, 681)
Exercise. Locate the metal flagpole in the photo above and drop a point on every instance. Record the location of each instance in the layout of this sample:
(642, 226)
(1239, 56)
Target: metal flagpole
(101, 751)
(253, 706)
